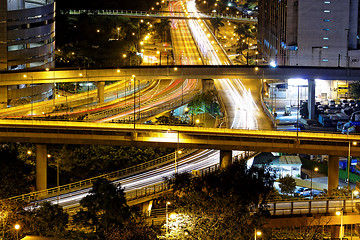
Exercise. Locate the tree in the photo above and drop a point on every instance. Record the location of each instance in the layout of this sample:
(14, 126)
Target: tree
(244, 32)
(48, 220)
(204, 102)
(162, 29)
(103, 209)
(287, 184)
(226, 204)
(15, 173)
(216, 23)
(354, 90)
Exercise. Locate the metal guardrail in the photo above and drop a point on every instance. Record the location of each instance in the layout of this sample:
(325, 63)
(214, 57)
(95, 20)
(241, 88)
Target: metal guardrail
(51, 192)
(166, 14)
(328, 206)
(161, 187)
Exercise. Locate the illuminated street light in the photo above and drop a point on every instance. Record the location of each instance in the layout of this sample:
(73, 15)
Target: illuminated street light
(341, 214)
(167, 219)
(257, 234)
(349, 163)
(311, 189)
(17, 228)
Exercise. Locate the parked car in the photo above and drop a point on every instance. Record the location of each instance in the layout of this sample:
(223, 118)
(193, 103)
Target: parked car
(307, 192)
(299, 192)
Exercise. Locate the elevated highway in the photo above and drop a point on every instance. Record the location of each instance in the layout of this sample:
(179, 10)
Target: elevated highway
(179, 72)
(56, 132)
(164, 14)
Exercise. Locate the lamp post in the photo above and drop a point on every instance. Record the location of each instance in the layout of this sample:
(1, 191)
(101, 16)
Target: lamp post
(349, 163)
(134, 98)
(32, 95)
(257, 234)
(167, 219)
(17, 228)
(341, 214)
(311, 189)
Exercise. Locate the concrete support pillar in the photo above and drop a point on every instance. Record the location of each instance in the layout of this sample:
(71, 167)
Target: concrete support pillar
(333, 173)
(41, 167)
(100, 92)
(3, 96)
(225, 158)
(311, 98)
(146, 208)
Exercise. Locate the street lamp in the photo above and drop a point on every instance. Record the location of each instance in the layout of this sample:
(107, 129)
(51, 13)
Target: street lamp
(349, 162)
(134, 98)
(17, 228)
(354, 193)
(257, 234)
(311, 189)
(32, 95)
(341, 214)
(167, 219)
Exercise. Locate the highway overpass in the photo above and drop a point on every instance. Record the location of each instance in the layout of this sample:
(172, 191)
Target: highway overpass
(178, 72)
(57, 132)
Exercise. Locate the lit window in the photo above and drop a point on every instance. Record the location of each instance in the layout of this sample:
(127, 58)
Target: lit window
(326, 29)
(326, 11)
(325, 60)
(325, 47)
(326, 20)
(327, 2)
(325, 38)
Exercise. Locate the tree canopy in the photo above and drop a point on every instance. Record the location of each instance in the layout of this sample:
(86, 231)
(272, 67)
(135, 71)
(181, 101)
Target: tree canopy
(227, 204)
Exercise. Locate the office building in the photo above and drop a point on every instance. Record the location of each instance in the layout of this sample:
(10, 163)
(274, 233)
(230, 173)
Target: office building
(310, 32)
(27, 34)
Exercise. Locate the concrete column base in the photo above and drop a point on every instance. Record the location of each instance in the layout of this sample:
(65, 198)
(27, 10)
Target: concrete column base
(225, 158)
(41, 167)
(100, 91)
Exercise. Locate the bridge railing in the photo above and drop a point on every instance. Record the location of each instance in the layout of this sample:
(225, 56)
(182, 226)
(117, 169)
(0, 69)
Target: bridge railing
(51, 192)
(163, 14)
(324, 206)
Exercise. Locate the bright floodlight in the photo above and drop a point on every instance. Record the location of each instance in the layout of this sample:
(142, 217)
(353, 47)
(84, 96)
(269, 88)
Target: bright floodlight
(258, 233)
(17, 226)
(338, 213)
(316, 169)
(273, 64)
(355, 192)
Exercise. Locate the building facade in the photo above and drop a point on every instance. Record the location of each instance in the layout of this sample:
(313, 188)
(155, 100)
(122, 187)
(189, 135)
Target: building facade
(310, 32)
(27, 34)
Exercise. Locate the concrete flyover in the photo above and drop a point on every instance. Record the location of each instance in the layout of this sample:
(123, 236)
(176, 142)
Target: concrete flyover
(178, 72)
(165, 14)
(57, 132)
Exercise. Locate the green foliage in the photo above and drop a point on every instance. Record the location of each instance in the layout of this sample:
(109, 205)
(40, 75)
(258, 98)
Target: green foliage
(162, 29)
(220, 205)
(204, 103)
(10, 213)
(88, 40)
(287, 184)
(80, 162)
(15, 171)
(103, 209)
(354, 89)
(216, 23)
(169, 120)
(245, 32)
(48, 220)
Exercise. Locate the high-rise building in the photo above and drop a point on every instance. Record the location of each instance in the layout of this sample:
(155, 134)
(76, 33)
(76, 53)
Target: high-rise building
(27, 34)
(310, 32)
